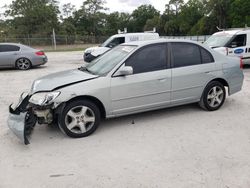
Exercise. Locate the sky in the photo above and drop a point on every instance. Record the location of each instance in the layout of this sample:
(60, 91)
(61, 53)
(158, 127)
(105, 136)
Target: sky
(113, 5)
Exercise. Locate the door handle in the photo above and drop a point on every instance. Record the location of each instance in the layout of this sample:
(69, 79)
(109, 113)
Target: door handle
(162, 79)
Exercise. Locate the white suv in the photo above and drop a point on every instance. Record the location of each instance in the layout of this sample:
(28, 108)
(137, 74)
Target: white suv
(93, 52)
(232, 42)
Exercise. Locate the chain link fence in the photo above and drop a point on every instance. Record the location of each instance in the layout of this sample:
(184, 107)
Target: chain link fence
(74, 40)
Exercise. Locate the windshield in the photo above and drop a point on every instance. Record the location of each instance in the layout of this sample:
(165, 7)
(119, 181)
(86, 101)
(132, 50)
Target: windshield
(105, 63)
(219, 40)
(105, 44)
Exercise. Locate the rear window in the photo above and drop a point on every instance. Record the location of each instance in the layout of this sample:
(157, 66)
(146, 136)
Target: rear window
(9, 48)
(206, 56)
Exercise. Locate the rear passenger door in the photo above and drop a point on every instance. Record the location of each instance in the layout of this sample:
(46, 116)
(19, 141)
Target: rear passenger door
(8, 54)
(192, 66)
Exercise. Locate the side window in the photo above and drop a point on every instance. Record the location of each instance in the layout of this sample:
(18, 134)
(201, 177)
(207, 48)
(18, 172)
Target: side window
(9, 48)
(148, 59)
(185, 54)
(116, 41)
(206, 56)
(239, 40)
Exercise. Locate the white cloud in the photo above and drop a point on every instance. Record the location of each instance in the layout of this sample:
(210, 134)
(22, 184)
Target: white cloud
(135, 3)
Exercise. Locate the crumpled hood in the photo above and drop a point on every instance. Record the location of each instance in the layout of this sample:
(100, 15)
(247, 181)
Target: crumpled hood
(60, 79)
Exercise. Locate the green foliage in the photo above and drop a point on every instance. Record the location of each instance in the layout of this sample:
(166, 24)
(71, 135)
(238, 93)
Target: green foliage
(194, 17)
(239, 13)
(141, 15)
(33, 16)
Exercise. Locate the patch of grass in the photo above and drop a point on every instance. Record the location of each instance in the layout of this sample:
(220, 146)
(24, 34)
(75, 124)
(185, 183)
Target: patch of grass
(65, 48)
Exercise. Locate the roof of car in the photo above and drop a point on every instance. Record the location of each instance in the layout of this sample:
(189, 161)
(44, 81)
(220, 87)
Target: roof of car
(10, 43)
(233, 31)
(132, 34)
(155, 41)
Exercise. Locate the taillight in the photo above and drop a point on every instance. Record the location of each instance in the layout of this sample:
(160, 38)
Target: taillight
(40, 53)
(241, 63)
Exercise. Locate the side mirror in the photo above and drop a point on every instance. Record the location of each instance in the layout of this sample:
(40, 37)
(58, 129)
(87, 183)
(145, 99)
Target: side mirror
(124, 71)
(111, 45)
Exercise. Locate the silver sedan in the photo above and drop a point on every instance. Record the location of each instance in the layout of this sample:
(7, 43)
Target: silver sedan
(131, 78)
(19, 56)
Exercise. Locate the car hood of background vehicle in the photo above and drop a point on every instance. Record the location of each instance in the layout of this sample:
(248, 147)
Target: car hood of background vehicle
(60, 79)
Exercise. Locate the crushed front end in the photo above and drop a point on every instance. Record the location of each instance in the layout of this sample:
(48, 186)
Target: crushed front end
(21, 119)
(31, 109)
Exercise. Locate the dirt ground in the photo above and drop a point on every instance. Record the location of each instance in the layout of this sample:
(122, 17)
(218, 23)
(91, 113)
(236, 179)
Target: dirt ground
(182, 147)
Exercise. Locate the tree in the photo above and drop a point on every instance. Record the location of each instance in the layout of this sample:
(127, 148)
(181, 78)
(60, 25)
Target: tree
(90, 17)
(190, 14)
(141, 15)
(68, 9)
(219, 9)
(33, 16)
(239, 13)
(152, 23)
(115, 21)
(177, 5)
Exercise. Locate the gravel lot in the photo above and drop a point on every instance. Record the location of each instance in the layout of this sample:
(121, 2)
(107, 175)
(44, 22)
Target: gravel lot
(183, 147)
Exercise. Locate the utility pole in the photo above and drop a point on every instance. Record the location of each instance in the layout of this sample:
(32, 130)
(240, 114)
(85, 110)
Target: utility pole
(54, 39)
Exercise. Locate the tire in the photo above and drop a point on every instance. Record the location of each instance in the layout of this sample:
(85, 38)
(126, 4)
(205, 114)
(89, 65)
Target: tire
(79, 118)
(213, 96)
(23, 64)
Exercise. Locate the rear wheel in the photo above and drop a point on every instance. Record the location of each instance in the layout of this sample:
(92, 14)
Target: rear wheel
(23, 64)
(213, 96)
(79, 118)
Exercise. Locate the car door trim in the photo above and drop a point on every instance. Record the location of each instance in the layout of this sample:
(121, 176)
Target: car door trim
(138, 96)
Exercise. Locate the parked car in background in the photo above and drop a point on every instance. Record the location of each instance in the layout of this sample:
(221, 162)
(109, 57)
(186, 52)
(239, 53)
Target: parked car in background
(131, 78)
(123, 37)
(20, 56)
(232, 42)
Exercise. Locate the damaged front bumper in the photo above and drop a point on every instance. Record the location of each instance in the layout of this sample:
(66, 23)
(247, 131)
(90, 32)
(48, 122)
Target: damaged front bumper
(22, 120)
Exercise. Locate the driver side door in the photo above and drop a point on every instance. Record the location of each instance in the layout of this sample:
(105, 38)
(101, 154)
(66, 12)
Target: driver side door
(148, 87)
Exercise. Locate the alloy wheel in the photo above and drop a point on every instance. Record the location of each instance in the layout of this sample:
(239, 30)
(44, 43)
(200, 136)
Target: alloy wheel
(215, 96)
(23, 64)
(80, 119)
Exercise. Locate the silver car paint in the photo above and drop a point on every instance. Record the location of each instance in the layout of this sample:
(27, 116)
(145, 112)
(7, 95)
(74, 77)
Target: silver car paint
(52, 81)
(147, 91)
(135, 93)
(8, 59)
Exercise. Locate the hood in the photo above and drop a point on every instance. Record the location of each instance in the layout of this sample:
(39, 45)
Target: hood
(60, 79)
(91, 49)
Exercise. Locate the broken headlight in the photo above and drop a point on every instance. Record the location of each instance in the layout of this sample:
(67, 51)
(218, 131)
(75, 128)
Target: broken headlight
(44, 98)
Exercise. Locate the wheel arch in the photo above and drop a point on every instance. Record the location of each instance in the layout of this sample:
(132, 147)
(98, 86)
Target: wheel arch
(221, 80)
(95, 100)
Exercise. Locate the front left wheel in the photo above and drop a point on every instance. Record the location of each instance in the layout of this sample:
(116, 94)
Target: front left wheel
(79, 118)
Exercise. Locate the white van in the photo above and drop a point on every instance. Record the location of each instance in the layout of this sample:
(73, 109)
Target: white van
(232, 42)
(93, 52)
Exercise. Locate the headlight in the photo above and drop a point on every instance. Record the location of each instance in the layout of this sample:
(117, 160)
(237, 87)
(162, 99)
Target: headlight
(44, 98)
